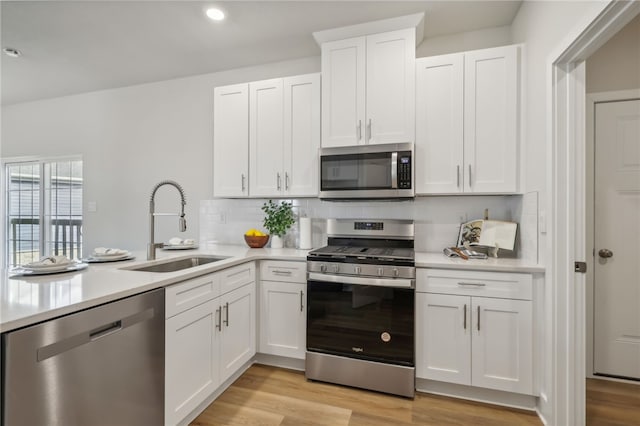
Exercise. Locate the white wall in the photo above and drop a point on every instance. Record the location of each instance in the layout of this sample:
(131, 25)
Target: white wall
(481, 39)
(544, 28)
(130, 139)
(616, 65)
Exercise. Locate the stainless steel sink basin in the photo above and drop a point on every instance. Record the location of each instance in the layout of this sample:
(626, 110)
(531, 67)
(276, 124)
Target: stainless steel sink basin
(176, 264)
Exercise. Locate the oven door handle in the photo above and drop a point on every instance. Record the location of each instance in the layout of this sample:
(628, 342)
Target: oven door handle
(379, 282)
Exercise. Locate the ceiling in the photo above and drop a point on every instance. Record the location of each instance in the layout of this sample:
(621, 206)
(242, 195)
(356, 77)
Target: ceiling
(71, 47)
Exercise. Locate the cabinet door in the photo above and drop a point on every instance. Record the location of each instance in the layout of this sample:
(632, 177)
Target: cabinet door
(390, 93)
(283, 319)
(439, 124)
(231, 141)
(502, 341)
(301, 134)
(343, 92)
(191, 360)
(266, 134)
(443, 341)
(238, 336)
(491, 120)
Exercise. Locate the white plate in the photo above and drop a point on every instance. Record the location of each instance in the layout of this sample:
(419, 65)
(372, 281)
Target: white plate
(75, 266)
(47, 267)
(107, 257)
(94, 259)
(179, 247)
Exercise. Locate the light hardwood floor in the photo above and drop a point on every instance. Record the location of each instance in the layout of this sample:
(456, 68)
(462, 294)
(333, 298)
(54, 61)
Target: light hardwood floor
(612, 403)
(272, 396)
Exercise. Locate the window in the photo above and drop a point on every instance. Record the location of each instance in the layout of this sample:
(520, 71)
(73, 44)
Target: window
(44, 210)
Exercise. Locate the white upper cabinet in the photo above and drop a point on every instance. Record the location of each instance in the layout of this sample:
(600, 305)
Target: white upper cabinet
(467, 109)
(368, 89)
(301, 135)
(266, 137)
(231, 141)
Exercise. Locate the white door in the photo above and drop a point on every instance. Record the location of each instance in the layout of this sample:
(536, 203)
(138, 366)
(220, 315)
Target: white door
(301, 135)
(491, 120)
(238, 336)
(283, 318)
(343, 92)
(191, 360)
(502, 342)
(617, 215)
(231, 141)
(390, 93)
(266, 133)
(443, 338)
(439, 124)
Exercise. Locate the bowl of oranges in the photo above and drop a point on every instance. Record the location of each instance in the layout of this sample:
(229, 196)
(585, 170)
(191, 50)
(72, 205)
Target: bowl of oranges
(255, 238)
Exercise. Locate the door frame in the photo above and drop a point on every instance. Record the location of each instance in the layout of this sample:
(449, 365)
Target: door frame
(566, 200)
(592, 100)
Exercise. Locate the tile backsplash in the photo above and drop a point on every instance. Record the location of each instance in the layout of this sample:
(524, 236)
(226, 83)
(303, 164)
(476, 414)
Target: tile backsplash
(437, 219)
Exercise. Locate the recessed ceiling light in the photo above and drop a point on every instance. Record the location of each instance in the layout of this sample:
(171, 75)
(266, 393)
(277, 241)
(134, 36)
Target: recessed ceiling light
(215, 14)
(10, 51)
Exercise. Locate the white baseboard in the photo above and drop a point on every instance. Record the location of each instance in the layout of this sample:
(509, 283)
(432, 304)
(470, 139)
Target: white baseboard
(472, 393)
(280, 361)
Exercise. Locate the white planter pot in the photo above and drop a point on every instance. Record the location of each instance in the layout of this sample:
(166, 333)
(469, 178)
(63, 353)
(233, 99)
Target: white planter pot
(277, 242)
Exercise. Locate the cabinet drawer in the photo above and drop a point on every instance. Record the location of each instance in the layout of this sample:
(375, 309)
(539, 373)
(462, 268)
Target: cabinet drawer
(291, 272)
(237, 276)
(475, 283)
(186, 295)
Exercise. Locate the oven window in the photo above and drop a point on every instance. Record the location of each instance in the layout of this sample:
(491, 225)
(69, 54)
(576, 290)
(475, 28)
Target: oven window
(365, 322)
(356, 171)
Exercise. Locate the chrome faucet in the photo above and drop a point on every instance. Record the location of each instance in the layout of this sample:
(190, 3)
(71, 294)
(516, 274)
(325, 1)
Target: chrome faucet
(151, 247)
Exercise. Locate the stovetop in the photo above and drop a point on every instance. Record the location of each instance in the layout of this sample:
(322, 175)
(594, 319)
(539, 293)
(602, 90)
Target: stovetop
(381, 253)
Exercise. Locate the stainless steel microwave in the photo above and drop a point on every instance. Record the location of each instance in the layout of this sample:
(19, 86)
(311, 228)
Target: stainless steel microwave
(367, 172)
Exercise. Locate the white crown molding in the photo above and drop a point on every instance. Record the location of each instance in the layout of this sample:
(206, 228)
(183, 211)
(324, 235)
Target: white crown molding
(398, 23)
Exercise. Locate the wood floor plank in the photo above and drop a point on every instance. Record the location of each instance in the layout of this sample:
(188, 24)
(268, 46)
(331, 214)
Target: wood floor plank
(286, 397)
(611, 403)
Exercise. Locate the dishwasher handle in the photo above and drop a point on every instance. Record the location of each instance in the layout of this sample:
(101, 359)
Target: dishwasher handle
(92, 335)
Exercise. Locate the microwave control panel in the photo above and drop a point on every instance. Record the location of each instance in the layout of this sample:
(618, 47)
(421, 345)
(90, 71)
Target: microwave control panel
(404, 170)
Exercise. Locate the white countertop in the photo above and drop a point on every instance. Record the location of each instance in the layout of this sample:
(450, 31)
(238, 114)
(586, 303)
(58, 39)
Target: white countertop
(29, 300)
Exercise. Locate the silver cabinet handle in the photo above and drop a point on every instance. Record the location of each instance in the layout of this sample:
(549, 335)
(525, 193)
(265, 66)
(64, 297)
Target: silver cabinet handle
(471, 284)
(369, 131)
(278, 181)
(359, 129)
(301, 301)
(478, 318)
(458, 175)
(219, 316)
(605, 253)
(465, 317)
(469, 174)
(242, 182)
(226, 316)
(286, 181)
(279, 272)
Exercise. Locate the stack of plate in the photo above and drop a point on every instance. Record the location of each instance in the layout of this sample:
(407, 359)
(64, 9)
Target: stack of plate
(51, 265)
(180, 244)
(102, 254)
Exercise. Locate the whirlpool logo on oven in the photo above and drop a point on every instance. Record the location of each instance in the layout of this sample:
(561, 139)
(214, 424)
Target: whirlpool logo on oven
(357, 350)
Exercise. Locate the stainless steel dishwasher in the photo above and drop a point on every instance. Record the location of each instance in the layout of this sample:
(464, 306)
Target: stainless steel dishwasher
(101, 366)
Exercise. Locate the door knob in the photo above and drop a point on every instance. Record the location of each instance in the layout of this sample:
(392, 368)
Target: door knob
(604, 253)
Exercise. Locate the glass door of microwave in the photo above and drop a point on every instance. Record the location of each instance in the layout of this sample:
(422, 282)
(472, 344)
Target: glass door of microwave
(356, 172)
(359, 321)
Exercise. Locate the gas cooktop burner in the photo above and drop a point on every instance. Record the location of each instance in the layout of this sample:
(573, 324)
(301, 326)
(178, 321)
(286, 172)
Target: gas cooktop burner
(364, 252)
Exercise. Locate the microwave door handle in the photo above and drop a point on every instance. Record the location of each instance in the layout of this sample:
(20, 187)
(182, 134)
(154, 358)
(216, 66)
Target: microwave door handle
(394, 170)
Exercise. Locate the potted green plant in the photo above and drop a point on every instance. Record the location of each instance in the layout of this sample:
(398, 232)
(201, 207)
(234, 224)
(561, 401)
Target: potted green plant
(278, 219)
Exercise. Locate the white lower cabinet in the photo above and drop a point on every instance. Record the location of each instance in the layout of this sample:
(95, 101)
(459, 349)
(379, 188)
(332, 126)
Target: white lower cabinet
(238, 334)
(476, 335)
(283, 313)
(209, 335)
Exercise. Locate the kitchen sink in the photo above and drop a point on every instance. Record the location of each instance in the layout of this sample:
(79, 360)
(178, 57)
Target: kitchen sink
(176, 264)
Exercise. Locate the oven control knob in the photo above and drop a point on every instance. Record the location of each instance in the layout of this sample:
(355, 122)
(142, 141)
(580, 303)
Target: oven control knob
(336, 268)
(323, 268)
(380, 272)
(396, 272)
(357, 270)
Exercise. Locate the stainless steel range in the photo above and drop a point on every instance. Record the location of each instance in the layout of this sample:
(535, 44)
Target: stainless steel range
(361, 299)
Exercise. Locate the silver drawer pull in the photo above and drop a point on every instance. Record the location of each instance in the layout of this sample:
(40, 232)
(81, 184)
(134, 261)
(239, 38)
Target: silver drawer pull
(278, 272)
(471, 284)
